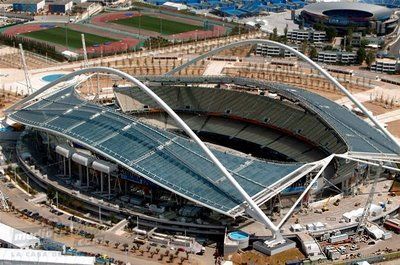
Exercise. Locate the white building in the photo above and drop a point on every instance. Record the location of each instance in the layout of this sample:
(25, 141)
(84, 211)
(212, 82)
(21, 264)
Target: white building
(79, 1)
(175, 6)
(336, 57)
(273, 50)
(328, 57)
(300, 35)
(353, 216)
(386, 65)
(60, 6)
(32, 256)
(13, 238)
(347, 57)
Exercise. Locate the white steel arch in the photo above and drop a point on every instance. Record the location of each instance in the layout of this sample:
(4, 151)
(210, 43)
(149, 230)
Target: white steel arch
(252, 206)
(301, 56)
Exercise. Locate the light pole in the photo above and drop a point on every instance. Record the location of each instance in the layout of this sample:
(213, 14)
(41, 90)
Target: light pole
(57, 199)
(99, 213)
(66, 36)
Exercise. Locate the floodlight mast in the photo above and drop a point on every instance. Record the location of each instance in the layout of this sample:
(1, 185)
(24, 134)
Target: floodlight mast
(85, 57)
(26, 72)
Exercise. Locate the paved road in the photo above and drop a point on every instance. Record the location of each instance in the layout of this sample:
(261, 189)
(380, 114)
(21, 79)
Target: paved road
(19, 200)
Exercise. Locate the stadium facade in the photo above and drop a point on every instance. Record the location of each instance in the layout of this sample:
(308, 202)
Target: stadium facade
(345, 15)
(135, 159)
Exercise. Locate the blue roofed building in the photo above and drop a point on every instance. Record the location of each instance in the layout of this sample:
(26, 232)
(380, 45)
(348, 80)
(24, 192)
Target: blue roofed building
(29, 6)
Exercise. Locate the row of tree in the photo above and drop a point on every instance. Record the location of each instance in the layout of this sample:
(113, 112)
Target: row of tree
(32, 45)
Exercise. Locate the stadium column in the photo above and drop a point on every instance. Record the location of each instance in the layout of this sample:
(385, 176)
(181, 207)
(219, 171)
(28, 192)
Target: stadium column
(87, 176)
(69, 167)
(80, 174)
(109, 185)
(65, 166)
(101, 182)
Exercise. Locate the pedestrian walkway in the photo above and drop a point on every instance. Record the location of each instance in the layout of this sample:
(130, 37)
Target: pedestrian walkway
(362, 97)
(118, 228)
(215, 68)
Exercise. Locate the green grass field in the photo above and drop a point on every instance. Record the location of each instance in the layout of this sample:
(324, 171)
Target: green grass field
(60, 35)
(163, 26)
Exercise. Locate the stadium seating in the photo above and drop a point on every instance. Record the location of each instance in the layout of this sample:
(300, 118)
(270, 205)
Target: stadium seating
(265, 110)
(169, 160)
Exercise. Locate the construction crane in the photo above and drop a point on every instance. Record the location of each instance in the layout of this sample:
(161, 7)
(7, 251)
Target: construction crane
(325, 207)
(25, 68)
(367, 207)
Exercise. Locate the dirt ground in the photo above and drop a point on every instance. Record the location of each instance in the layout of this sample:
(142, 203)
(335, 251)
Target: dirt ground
(6, 101)
(257, 258)
(394, 127)
(378, 108)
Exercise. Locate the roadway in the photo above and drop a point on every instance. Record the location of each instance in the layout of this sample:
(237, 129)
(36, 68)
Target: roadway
(20, 201)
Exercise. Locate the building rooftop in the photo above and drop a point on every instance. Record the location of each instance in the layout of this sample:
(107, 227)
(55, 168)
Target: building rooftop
(27, 1)
(375, 11)
(32, 256)
(60, 2)
(16, 237)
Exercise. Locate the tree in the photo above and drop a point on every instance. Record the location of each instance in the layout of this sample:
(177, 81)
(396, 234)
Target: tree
(331, 33)
(349, 35)
(125, 246)
(285, 31)
(274, 35)
(349, 48)
(155, 42)
(361, 54)
(312, 52)
(370, 58)
(364, 42)
(304, 46)
(319, 26)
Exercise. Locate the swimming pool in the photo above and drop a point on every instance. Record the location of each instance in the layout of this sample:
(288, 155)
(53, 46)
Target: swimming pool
(238, 235)
(52, 77)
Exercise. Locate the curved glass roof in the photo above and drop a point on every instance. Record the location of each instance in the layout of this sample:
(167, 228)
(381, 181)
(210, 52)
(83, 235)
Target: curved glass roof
(168, 160)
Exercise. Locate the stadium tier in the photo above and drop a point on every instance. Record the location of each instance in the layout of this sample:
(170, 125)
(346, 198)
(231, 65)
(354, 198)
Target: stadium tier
(304, 114)
(168, 160)
(301, 127)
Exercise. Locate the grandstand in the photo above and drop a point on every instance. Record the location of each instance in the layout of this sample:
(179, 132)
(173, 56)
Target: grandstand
(138, 147)
(132, 149)
(357, 15)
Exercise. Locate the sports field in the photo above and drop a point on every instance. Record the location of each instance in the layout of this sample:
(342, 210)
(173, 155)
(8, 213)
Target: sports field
(67, 37)
(160, 25)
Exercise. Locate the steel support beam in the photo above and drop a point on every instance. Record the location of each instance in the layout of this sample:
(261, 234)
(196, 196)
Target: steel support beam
(368, 162)
(326, 162)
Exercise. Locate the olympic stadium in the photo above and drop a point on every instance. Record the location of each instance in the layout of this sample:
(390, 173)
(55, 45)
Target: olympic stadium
(197, 154)
(343, 15)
